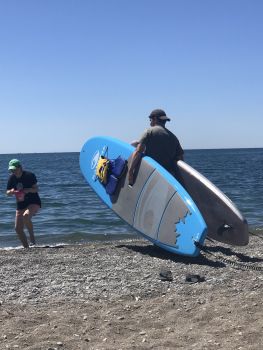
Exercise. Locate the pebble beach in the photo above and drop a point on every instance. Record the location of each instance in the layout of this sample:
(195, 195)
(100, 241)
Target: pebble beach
(109, 295)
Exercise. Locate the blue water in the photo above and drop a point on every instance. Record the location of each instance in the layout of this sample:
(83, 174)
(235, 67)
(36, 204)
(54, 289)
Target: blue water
(72, 213)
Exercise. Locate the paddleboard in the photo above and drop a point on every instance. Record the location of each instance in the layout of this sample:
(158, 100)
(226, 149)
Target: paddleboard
(224, 221)
(157, 206)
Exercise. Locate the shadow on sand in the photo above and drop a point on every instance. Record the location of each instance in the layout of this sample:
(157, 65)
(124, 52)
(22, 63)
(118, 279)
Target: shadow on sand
(202, 259)
(159, 253)
(229, 252)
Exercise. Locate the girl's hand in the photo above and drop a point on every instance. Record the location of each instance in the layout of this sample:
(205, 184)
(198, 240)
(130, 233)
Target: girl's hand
(11, 192)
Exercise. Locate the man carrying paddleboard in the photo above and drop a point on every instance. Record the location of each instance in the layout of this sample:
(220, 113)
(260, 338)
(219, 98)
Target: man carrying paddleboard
(23, 184)
(158, 143)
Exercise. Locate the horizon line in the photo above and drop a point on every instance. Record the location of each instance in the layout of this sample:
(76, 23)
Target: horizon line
(185, 149)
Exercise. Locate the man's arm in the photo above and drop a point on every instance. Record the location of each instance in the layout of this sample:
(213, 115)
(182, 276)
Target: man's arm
(136, 157)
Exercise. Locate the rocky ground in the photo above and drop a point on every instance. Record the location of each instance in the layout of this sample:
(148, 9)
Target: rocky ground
(110, 296)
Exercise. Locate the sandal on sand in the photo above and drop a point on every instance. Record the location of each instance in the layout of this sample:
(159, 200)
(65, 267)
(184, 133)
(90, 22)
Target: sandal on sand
(190, 278)
(165, 275)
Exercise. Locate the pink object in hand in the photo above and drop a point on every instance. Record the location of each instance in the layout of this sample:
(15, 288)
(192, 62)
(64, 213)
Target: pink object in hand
(20, 196)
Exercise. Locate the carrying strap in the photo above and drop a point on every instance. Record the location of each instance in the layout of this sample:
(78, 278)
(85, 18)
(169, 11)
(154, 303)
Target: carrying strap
(235, 264)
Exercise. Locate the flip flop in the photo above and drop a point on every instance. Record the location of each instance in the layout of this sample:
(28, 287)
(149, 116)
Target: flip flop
(165, 275)
(191, 278)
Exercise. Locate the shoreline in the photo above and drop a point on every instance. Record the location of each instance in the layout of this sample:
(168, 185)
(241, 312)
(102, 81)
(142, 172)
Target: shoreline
(109, 295)
(67, 239)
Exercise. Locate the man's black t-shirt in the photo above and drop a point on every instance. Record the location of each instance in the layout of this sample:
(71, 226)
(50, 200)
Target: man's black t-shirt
(27, 180)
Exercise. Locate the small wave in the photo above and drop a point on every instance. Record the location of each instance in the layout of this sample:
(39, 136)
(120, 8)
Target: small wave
(256, 230)
(12, 248)
(54, 239)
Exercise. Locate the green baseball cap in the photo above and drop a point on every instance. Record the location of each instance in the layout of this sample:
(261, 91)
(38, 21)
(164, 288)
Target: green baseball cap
(13, 164)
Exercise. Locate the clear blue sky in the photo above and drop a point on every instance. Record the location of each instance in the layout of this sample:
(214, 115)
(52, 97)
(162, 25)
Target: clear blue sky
(72, 69)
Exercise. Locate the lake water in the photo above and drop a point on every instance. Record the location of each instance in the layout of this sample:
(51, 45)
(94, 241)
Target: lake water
(72, 213)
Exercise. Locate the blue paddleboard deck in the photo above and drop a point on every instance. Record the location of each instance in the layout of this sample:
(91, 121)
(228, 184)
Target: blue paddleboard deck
(157, 206)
